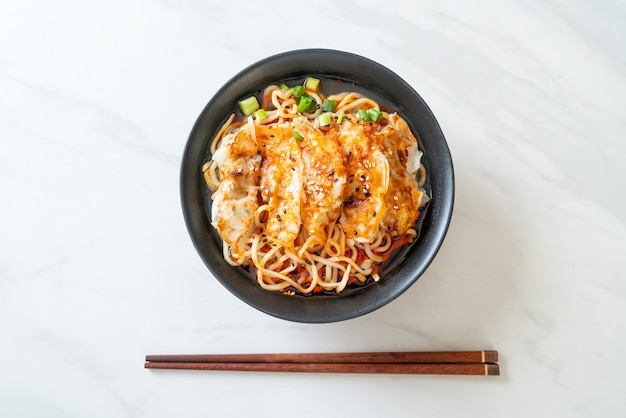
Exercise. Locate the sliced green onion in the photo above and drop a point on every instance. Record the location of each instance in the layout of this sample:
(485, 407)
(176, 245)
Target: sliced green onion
(306, 104)
(312, 84)
(340, 117)
(260, 114)
(298, 91)
(297, 123)
(329, 105)
(298, 136)
(249, 106)
(325, 119)
(375, 115)
(363, 115)
(284, 87)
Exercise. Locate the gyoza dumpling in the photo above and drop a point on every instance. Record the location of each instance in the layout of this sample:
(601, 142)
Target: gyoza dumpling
(367, 184)
(235, 200)
(324, 180)
(403, 198)
(281, 182)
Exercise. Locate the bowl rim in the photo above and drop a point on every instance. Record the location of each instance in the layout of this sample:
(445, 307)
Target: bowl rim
(374, 77)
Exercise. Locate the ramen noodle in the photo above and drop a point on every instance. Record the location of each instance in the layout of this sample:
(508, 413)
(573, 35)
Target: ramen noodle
(313, 192)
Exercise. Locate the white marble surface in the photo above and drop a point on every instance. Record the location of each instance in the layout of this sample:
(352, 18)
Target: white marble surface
(97, 270)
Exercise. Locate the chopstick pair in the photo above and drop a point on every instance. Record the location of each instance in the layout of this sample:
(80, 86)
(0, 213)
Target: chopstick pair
(482, 363)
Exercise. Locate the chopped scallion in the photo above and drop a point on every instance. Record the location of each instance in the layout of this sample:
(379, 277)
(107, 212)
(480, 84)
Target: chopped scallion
(298, 136)
(284, 87)
(298, 91)
(325, 119)
(306, 104)
(340, 117)
(260, 114)
(363, 115)
(375, 115)
(249, 105)
(297, 123)
(312, 83)
(329, 105)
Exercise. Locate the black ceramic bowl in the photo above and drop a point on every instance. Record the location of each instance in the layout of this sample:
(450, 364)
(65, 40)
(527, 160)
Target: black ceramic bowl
(393, 94)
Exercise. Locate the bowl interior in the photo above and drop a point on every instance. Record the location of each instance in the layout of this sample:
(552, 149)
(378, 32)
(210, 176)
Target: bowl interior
(393, 94)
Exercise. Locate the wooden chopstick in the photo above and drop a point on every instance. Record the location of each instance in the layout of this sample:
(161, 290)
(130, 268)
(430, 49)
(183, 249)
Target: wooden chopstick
(479, 369)
(489, 356)
(447, 362)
